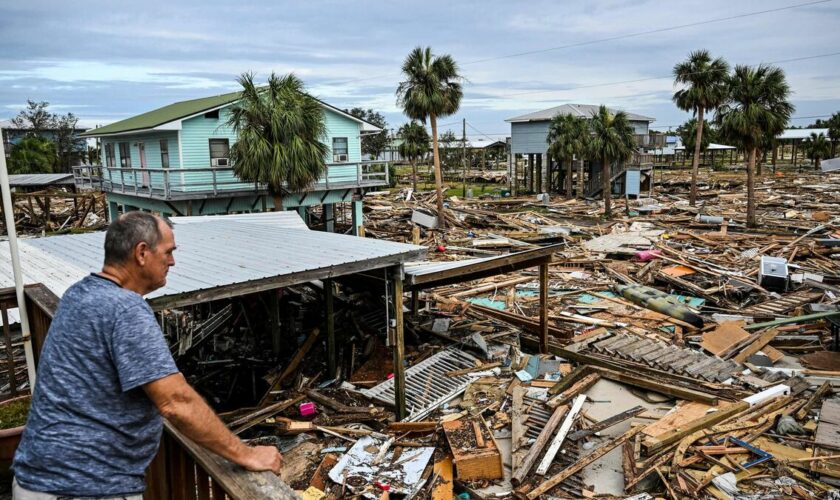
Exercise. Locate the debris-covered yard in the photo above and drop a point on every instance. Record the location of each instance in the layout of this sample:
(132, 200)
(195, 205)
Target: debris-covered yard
(688, 355)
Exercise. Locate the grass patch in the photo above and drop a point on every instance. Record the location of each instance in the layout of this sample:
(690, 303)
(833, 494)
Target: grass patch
(14, 414)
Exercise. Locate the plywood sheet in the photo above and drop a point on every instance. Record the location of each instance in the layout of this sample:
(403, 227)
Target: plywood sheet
(722, 338)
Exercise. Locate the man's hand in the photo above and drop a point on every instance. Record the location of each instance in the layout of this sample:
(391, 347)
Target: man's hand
(261, 458)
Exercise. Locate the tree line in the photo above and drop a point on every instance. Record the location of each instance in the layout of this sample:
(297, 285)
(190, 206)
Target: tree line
(50, 141)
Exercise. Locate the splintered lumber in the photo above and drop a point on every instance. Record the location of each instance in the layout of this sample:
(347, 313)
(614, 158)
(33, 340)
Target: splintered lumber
(656, 386)
(490, 287)
(480, 368)
(518, 428)
(250, 420)
(655, 444)
(755, 345)
(578, 466)
(425, 426)
(473, 462)
(582, 385)
(442, 485)
(536, 449)
(293, 363)
(567, 381)
(561, 435)
(607, 423)
(819, 394)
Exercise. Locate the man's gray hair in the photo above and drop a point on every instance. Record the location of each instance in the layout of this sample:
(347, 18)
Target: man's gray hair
(128, 231)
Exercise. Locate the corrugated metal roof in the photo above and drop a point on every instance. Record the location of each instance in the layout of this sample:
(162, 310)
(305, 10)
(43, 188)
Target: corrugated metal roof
(210, 255)
(20, 180)
(583, 110)
(801, 133)
(712, 147)
(287, 219)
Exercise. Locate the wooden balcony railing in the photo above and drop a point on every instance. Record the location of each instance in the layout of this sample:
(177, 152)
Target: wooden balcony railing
(185, 183)
(181, 469)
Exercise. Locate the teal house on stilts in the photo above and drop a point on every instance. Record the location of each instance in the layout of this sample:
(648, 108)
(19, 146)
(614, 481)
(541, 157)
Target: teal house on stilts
(175, 161)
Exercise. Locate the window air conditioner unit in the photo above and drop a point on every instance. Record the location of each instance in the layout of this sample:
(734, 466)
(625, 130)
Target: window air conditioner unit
(338, 158)
(219, 162)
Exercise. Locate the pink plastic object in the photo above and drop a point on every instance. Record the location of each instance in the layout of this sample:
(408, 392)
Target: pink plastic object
(306, 409)
(648, 255)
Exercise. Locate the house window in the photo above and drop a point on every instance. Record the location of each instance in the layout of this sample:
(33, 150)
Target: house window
(164, 153)
(109, 156)
(212, 114)
(339, 149)
(219, 152)
(125, 155)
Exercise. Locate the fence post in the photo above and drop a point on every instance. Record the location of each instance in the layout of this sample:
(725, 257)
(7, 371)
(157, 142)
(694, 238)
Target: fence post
(166, 183)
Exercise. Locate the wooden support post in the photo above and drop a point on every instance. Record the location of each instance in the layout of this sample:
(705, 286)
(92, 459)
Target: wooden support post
(544, 309)
(399, 343)
(274, 310)
(330, 313)
(415, 303)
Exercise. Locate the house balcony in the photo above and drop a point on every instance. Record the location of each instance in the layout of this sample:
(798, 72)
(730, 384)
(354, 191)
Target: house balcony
(172, 184)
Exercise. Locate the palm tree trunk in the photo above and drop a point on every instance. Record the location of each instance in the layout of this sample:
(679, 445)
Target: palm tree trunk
(414, 173)
(695, 163)
(605, 173)
(817, 162)
(438, 180)
(580, 179)
(569, 178)
(751, 188)
(278, 201)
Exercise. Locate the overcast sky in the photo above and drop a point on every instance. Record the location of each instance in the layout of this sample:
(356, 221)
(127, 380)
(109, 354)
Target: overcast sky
(109, 60)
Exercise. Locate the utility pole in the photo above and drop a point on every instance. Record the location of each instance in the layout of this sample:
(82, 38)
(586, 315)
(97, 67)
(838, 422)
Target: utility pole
(464, 153)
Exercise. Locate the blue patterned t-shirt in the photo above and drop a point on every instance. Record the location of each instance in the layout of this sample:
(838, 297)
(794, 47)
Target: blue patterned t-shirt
(92, 430)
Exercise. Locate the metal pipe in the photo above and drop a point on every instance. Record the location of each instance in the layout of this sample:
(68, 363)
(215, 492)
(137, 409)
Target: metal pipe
(8, 209)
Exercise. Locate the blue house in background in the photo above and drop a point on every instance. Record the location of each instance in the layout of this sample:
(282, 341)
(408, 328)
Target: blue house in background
(175, 160)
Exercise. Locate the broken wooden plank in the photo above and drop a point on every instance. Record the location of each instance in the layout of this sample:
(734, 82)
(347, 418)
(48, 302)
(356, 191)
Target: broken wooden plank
(553, 481)
(536, 448)
(561, 435)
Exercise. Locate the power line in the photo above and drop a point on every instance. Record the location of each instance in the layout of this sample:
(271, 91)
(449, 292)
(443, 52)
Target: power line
(649, 32)
(607, 84)
(608, 39)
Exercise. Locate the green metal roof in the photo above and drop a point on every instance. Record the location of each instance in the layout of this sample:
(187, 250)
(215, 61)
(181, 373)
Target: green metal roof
(163, 115)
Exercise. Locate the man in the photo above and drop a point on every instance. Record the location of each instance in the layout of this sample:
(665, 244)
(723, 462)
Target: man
(106, 376)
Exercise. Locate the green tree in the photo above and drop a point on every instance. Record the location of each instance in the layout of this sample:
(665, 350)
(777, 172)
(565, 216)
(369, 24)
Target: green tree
(833, 125)
(431, 89)
(687, 133)
(568, 137)
(757, 106)
(704, 89)
(67, 141)
(414, 146)
(817, 148)
(449, 149)
(32, 155)
(280, 129)
(36, 117)
(372, 144)
(612, 140)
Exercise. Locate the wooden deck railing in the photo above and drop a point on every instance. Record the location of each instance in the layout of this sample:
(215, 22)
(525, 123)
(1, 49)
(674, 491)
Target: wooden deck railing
(14, 380)
(181, 470)
(192, 182)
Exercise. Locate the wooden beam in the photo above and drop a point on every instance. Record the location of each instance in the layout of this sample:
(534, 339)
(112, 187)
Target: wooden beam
(518, 428)
(544, 309)
(561, 435)
(399, 342)
(536, 448)
(655, 444)
(330, 321)
(755, 345)
(582, 463)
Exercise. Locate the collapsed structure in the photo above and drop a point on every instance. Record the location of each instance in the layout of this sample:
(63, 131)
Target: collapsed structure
(537, 351)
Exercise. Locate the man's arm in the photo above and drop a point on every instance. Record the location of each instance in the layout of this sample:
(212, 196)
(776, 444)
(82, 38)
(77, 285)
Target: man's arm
(178, 402)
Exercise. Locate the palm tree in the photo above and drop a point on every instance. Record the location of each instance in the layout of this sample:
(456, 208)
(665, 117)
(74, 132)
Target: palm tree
(431, 89)
(704, 82)
(833, 125)
(279, 131)
(817, 148)
(612, 140)
(415, 145)
(568, 136)
(757, 107)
